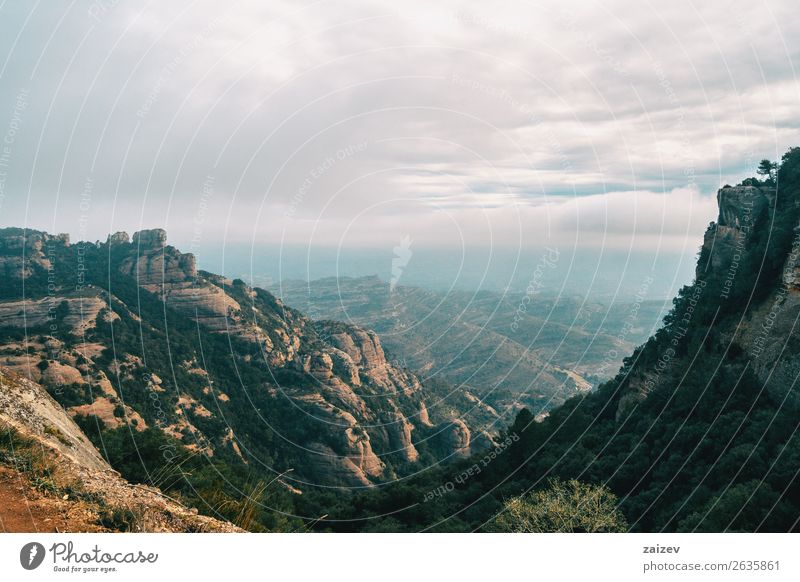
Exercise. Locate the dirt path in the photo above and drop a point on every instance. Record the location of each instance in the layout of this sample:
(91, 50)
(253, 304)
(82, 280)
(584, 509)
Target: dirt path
(23, 509)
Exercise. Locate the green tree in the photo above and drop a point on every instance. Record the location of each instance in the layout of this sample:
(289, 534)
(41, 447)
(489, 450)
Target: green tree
(745, 507)
(767, 169)
(563, 507)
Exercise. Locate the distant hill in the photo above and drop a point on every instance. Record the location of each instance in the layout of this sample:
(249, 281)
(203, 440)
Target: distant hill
(513, 350)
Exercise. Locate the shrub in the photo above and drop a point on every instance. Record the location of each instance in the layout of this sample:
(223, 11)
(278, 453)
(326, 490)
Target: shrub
(563, 507)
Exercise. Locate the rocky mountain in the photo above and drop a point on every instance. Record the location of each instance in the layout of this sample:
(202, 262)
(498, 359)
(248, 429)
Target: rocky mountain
(752, 284)
(236, 404)
(53, 479)
(129, 334)
(536, 356)
(697, 432)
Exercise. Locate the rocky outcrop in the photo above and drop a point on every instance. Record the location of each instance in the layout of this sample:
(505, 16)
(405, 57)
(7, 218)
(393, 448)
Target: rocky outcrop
(153, 263)
(400, 429)
(739, 206)
(155, 238)
(23, 250)
(726, 240)
(27, 407)
(78, 311)
(364, 350)
(118, 238)
(762, 327)
(458, 438)
(348, 458)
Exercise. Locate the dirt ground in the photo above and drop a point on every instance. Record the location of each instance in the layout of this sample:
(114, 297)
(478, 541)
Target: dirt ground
(24, 509)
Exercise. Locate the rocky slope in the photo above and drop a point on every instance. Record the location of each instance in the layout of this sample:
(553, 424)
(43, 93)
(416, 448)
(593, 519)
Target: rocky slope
(53, 479)
(129, 332)
(761, 319)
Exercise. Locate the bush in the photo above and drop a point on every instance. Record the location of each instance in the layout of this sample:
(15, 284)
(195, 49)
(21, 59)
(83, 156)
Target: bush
(564, 507)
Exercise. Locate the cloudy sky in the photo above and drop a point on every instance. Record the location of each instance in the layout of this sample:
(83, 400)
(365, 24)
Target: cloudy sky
(355, 124)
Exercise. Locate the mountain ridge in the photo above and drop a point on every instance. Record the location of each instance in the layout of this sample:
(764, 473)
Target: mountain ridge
(112, 330)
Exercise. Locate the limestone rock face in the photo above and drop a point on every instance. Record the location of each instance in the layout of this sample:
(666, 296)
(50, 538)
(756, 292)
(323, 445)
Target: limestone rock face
(344, 367)
(727, 239)
(340, 471)
(740, 205)
(210, 305)
(22, 251)
(155, 238)
(160, 266)
(82, 308)
(348, 455)
(321, 366)
(117, 238)
(151, 262)
(364, 349)
(27, 406)
(400, 436)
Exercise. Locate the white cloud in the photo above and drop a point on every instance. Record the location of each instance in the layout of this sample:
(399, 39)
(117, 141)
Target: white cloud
(496, 114)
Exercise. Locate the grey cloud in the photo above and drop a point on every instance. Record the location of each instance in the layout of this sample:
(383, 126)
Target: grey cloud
(469, 107)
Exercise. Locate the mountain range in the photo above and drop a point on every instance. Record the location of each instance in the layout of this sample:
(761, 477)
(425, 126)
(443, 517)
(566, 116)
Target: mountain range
(513, 350)
(138, 372)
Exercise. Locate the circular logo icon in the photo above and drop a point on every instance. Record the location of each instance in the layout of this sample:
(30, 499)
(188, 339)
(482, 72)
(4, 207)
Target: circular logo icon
(31, 555)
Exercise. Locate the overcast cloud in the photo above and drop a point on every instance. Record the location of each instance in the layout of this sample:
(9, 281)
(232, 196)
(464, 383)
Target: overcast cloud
(357, 123)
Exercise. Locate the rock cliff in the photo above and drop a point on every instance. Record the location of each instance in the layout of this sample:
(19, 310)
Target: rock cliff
(746, 282)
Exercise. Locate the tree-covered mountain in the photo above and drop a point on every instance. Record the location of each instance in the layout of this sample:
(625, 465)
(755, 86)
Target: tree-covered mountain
(698, 430)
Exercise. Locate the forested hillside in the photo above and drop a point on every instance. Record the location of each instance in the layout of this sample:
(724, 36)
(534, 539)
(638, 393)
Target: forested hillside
(697, 432)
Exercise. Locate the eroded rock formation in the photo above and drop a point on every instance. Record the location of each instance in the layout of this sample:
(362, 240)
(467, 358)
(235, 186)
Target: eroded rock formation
(355, 406)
